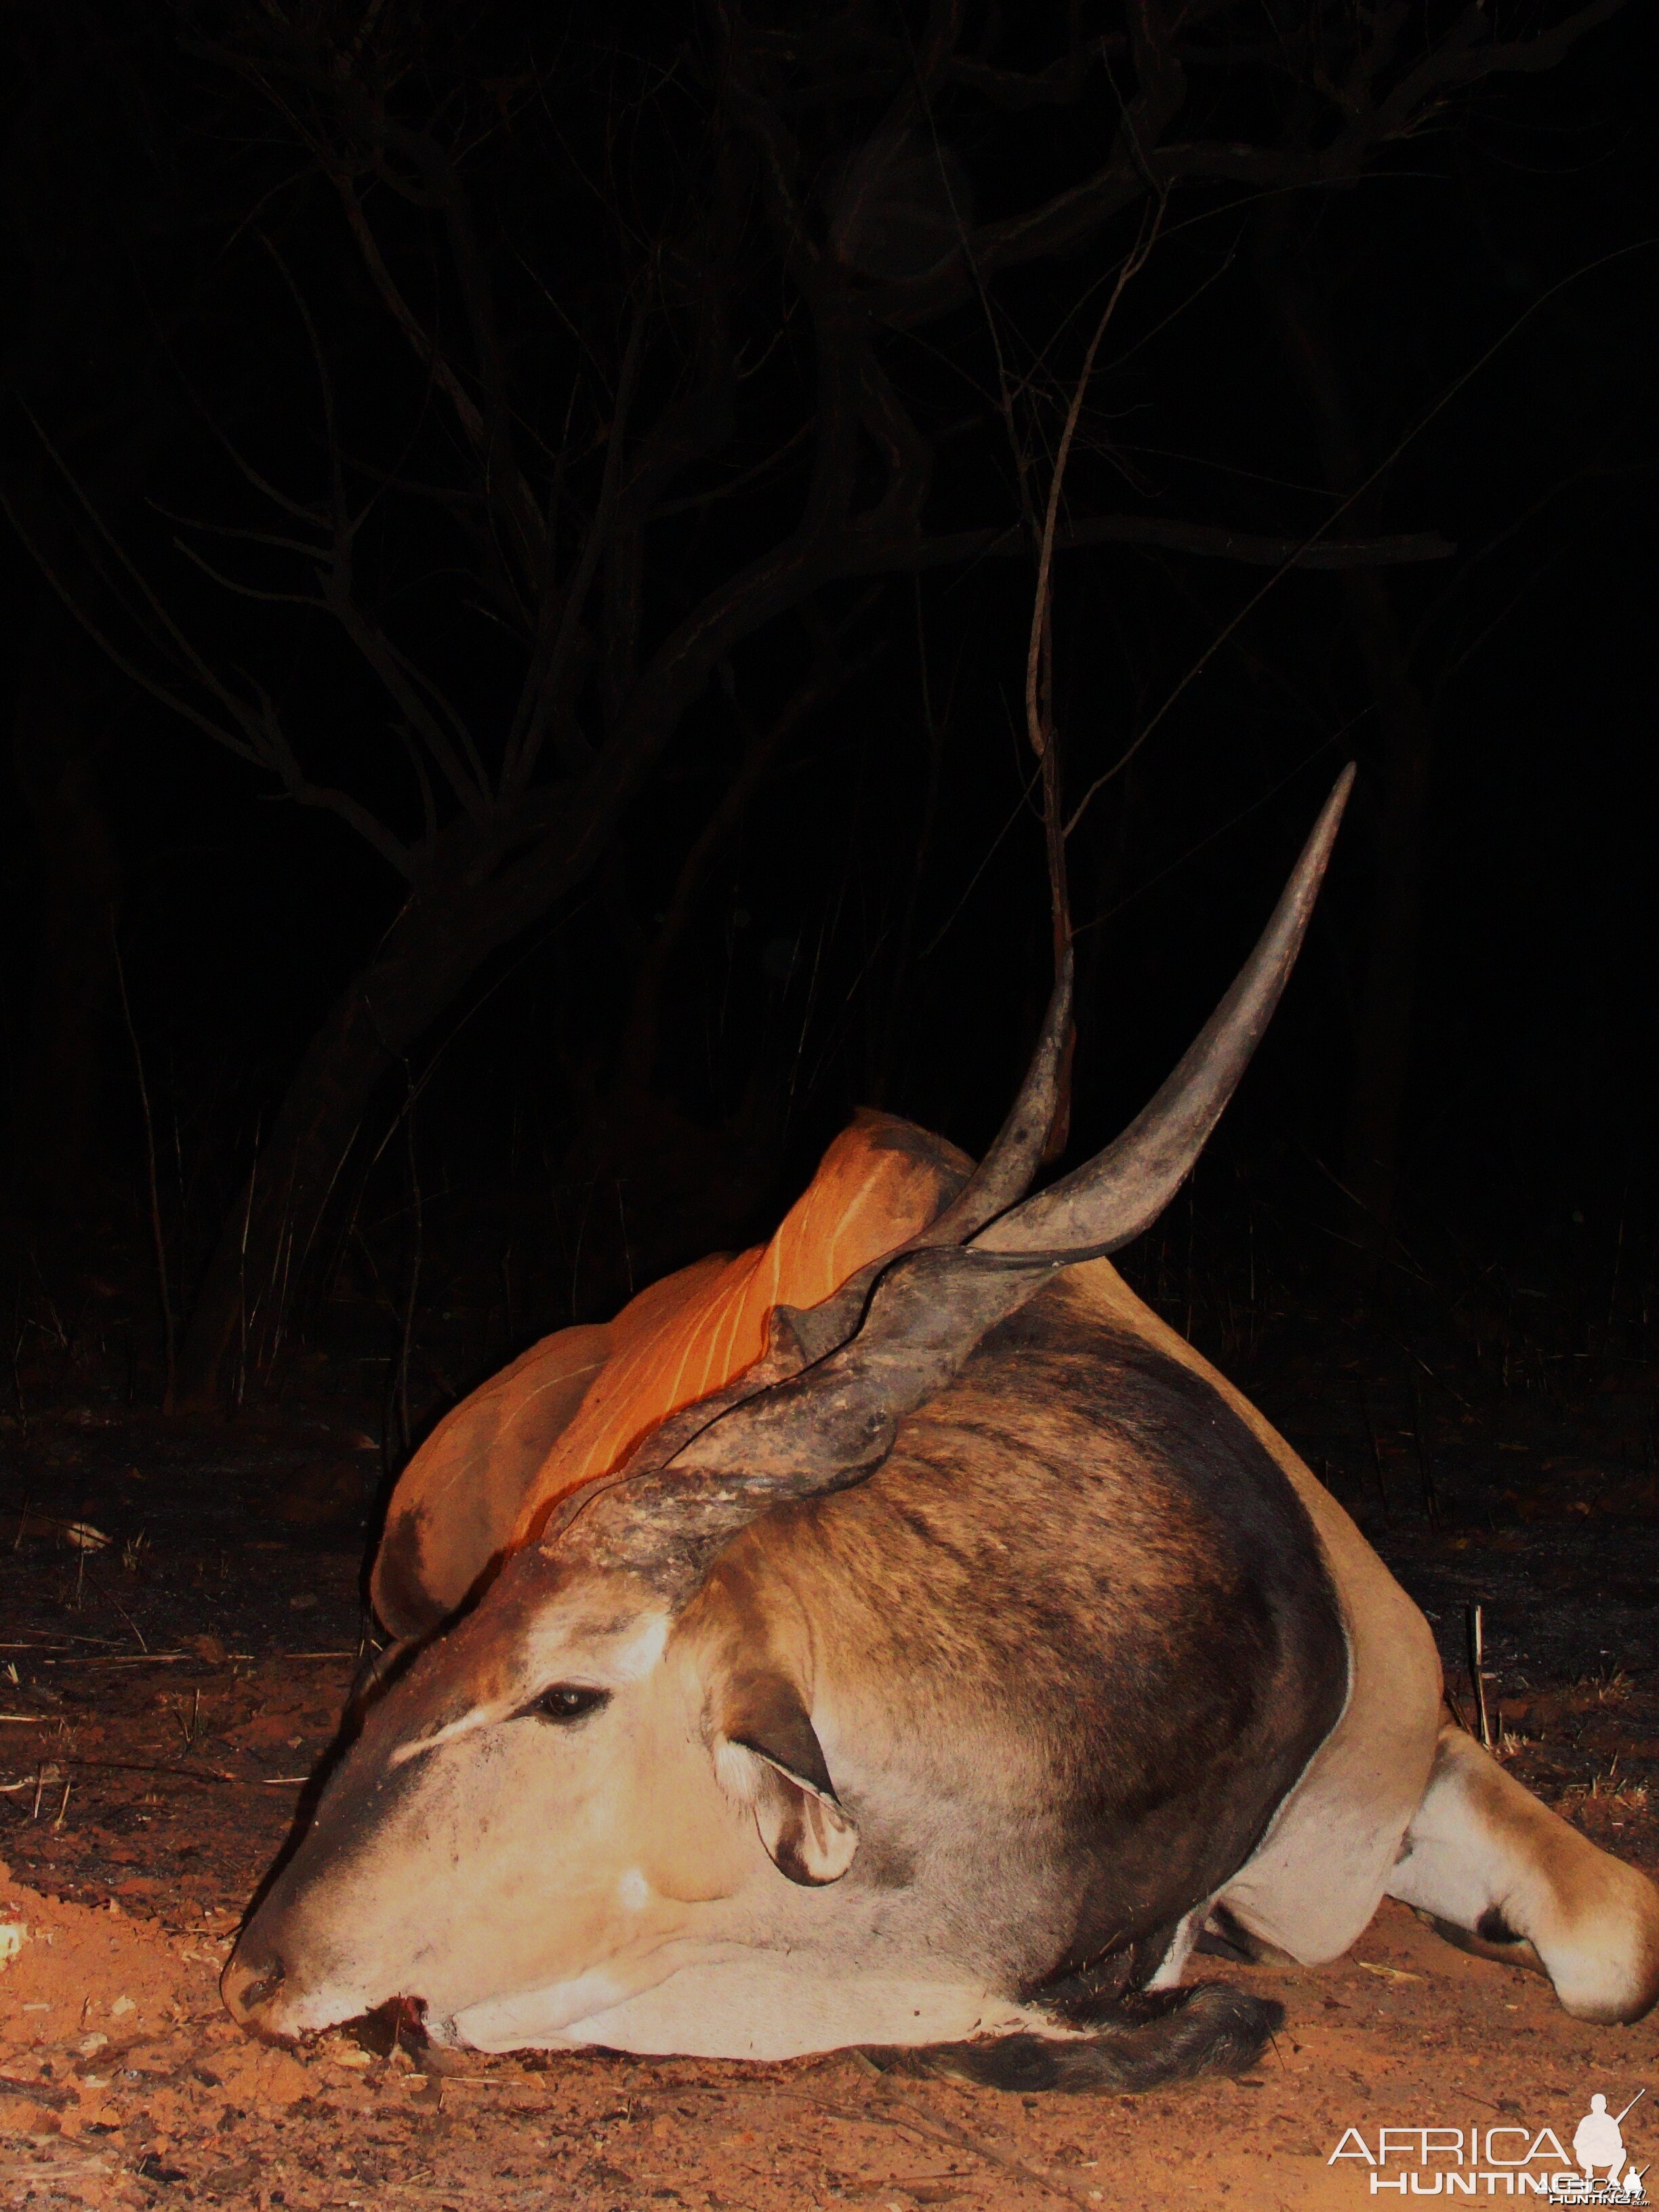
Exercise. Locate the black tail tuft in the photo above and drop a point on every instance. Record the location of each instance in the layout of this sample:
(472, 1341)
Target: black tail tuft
(1159, 2037)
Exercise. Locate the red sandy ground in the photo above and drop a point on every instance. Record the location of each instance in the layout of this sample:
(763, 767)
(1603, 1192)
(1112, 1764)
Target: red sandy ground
(146, 1790)
(125, 2084)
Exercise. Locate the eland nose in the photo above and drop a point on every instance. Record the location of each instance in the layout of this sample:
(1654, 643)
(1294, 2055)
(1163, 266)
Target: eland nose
(249, 1983)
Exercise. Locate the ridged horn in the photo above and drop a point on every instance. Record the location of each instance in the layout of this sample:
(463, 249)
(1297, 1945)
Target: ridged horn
(1001, 1177)
(819, 1410)
(1004, 1176)
(1118, 1194)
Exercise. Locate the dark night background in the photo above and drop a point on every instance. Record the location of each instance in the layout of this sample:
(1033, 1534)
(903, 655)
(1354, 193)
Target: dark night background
(645, 358)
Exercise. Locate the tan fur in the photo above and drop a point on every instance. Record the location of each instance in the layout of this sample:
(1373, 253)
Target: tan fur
(1479, 1843)
(626, 1884)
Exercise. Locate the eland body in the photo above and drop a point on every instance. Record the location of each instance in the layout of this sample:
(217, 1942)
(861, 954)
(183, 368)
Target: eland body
(932, 1660)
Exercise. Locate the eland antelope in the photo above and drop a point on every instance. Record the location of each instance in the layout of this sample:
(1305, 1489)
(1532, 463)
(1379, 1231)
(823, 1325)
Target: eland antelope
(900, 1637)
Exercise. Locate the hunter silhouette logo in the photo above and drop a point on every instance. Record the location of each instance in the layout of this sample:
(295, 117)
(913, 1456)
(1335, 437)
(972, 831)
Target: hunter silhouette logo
(1510, 2159)
(1598, 2143)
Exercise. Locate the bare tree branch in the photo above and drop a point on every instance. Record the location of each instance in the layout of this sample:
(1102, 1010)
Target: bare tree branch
(1063, 222)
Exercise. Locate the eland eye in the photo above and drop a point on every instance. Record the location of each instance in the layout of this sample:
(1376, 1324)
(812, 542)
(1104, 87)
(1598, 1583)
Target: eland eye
(566, 1702)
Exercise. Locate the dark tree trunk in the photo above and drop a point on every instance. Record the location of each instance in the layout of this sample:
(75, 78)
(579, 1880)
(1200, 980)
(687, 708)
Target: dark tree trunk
(489, 878)
(267, 1237)
(465, 909)
(1381, 1058)
(64, 699)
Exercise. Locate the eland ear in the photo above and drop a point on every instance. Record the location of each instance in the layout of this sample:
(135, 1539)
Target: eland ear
(772, 1758)
(452, 1512)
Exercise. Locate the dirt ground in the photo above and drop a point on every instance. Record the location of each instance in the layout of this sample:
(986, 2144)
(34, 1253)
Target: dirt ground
(165, 1694)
